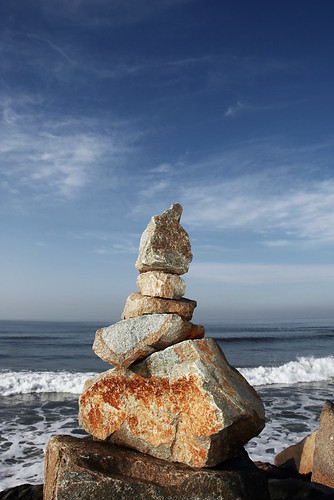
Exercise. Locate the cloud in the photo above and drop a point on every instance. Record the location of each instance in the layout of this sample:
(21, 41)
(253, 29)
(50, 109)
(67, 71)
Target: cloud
(304, 212)
(262, 274)
(55, 158)
(233, 111)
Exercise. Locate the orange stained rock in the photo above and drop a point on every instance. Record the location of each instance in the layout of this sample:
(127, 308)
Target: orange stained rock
(173, 414)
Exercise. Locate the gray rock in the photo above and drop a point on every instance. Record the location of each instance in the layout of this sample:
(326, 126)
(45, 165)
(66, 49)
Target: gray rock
(127, 341)
(184, 404)
(160, 284)
(165, 245)
(85, 469)
(323, 459)
(138, 305)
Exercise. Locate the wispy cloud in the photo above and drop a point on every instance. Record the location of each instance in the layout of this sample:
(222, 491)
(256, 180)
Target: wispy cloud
(234, 110)
(281, 196)
(262, 274)
(54, 157)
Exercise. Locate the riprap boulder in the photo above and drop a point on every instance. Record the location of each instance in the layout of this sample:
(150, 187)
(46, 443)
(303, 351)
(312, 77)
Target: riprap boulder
(184, 404)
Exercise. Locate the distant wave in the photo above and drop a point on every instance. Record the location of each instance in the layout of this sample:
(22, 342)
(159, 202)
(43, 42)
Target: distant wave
(305, 369)
(27, 382)
(268, 339)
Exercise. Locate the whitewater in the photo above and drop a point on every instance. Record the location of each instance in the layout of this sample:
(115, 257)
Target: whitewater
(63, 382)
(44, 366)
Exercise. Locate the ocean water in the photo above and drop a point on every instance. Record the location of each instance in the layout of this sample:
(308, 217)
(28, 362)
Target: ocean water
(43, 367)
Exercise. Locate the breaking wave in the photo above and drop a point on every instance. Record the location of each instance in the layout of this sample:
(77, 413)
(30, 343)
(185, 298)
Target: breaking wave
(304, 369)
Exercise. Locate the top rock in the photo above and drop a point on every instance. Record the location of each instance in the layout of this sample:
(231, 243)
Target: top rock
(165, 245)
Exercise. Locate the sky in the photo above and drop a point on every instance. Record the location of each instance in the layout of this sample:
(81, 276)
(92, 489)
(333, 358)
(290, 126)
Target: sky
(112, 110)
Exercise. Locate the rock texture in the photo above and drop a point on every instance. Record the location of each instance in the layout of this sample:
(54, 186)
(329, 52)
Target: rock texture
(323, 460)
(184, 404)
(84, 469)
(165, 245)
(125, 342)
(160, 284)
(139, 305)
(298, 456)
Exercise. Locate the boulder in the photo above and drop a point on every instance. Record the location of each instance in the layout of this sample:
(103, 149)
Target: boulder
(122, 343)
(82, 468)
(299, 456)
(165, 245)
(184, 404)
(323, 460)
(160, 284)
(138, 305)
(24, 492)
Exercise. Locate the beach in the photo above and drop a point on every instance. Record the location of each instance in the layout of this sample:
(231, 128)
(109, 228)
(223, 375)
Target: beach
(44, 366)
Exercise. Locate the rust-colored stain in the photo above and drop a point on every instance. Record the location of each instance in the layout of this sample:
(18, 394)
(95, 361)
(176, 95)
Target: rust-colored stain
(174, 414)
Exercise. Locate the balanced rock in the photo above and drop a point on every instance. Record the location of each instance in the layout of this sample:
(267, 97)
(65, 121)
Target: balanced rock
(298, 457)
(323, 459)
(183, 404)
(138, 305)
(160, 284)
(165, 245)
(135, 338)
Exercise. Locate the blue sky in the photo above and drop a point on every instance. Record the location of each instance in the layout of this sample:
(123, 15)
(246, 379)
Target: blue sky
(112, 110)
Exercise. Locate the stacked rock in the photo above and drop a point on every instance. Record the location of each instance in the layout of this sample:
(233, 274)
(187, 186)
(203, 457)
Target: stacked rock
(171, 393)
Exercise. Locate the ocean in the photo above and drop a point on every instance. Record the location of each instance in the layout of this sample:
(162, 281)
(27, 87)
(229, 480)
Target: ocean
(43, 367)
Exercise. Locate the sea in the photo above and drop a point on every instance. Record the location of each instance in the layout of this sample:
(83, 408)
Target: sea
(43, 367)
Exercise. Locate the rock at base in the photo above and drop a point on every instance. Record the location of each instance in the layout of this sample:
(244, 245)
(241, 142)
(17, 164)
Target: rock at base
(138, 305)
(164, 245)
(82, 468)
(160, 284)
(184, 404)
(299, 456)
(125, 342)
(323, 460)
(23, 492)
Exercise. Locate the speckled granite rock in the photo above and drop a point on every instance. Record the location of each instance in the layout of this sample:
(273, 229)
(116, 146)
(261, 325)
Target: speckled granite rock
(85, 469)
(160, 284)
(127, 341)
(138, 305)
(184, 404)
(165, 245)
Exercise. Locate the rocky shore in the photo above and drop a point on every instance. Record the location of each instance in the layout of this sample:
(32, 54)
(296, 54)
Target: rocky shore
(170, 419)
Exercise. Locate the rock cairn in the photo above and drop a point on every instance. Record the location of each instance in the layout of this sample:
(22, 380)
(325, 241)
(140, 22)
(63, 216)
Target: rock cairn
(171, 393)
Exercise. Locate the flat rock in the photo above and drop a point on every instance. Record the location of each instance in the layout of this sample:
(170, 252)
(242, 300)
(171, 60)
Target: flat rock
(164, 245)
(131, 339)
(138, 305)
(82, 468)
(299, 456)
(323, 459)
(160, 284)
(184, 404)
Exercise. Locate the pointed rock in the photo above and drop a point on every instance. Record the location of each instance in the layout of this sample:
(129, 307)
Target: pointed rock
(184, 404)
(165, 245)
(323, 458)
(299, 456)
(125, 342)
(138, 305)
(160, 284)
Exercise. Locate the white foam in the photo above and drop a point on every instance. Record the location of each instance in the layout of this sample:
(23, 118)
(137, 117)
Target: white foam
(27, 382)
(305, 369)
